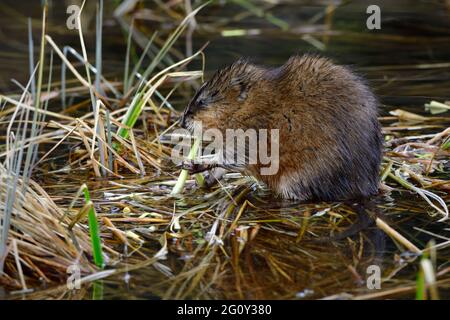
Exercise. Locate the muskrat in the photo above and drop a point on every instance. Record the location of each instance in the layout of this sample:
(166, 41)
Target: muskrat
(330, 142)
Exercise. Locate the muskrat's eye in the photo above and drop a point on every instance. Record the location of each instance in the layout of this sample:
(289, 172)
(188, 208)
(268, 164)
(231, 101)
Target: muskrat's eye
(201, 102)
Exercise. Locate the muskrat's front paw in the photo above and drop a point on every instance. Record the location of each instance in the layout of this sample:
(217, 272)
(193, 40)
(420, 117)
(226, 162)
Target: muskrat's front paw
(193, 167)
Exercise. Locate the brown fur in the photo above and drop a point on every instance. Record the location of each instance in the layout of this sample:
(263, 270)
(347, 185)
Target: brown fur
(330, 140)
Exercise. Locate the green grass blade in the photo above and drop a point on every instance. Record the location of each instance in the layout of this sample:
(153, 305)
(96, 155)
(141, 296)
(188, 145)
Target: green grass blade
(420, 286)
(132, 114)
(97, 250)
(97, 290)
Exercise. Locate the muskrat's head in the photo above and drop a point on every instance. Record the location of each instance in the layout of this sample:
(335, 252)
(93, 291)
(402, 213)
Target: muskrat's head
(227, 91)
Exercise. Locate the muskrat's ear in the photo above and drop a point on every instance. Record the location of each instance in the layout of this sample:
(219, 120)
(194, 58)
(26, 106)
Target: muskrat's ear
(242, 74)
(242, 86)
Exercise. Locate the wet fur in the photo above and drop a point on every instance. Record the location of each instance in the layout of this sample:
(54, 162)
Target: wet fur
(330, 138)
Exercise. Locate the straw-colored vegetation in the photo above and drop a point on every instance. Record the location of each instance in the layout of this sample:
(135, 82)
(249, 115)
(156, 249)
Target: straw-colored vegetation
(91, 184)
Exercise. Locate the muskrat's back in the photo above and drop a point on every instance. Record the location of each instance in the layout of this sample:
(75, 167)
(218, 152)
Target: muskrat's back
(330, 139)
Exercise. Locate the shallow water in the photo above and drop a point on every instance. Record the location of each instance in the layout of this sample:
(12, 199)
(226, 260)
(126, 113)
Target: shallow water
(406, 62)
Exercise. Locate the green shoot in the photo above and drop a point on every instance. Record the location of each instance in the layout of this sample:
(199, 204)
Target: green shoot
(420, 286)
(184, 173)
(436, 107)
(94, 231)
